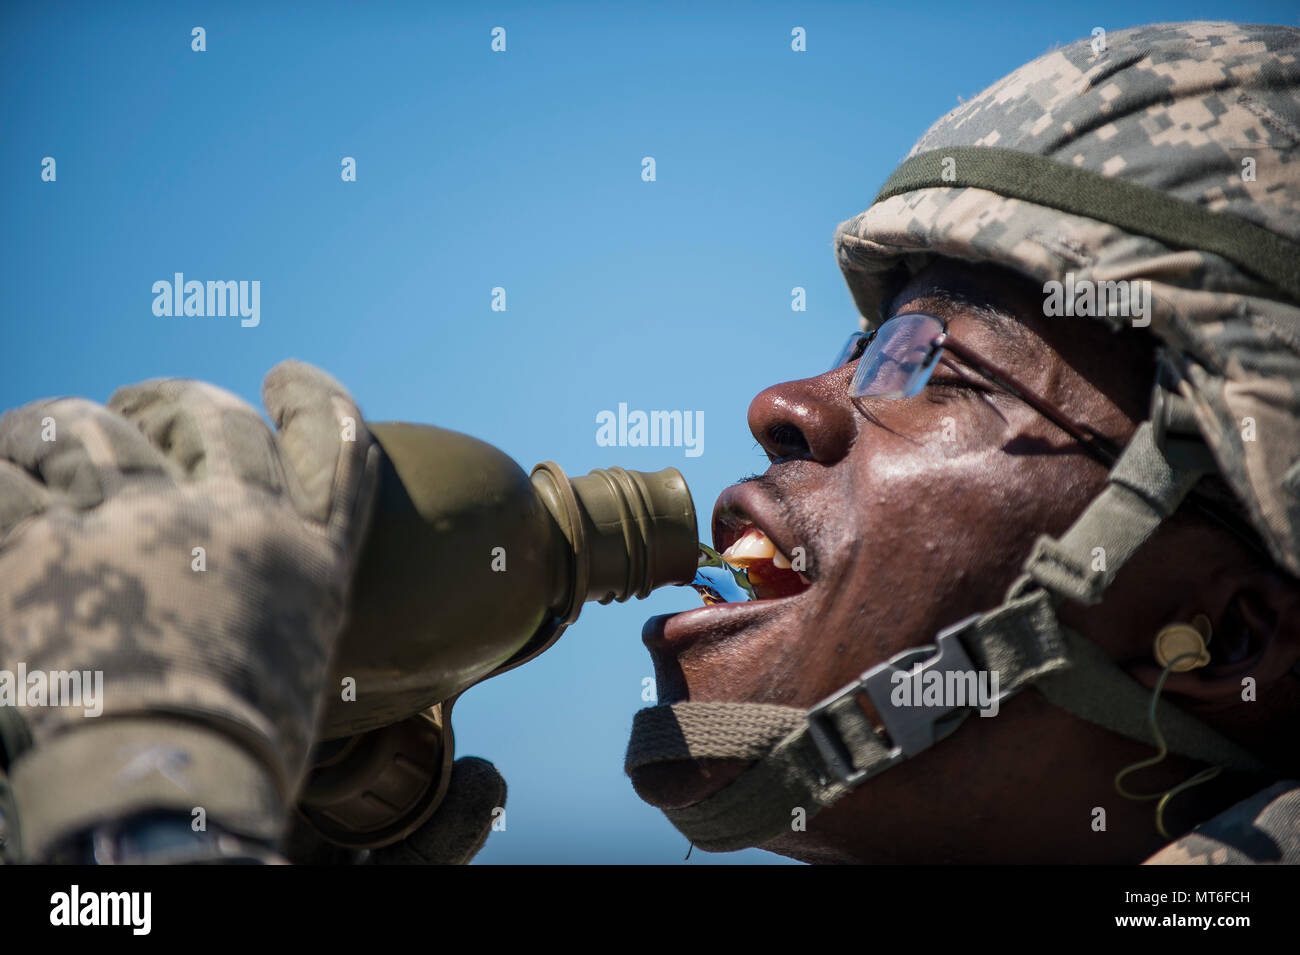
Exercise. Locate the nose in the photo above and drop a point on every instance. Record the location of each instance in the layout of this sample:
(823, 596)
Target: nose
(807, 419)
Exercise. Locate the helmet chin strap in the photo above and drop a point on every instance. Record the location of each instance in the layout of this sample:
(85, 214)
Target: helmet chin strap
(810, 759)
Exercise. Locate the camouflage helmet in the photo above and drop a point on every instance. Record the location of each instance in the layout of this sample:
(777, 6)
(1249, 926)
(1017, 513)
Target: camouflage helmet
(1164, 154)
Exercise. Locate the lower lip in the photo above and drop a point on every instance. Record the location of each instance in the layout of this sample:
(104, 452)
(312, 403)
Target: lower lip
(674, 633)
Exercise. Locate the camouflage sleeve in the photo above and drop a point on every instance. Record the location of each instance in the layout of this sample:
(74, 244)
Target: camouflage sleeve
(1260, 830)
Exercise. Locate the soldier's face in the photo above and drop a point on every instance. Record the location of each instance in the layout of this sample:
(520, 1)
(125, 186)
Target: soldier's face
(910, 514)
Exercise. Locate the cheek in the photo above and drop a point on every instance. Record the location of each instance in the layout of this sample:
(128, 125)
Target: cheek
(903, 548)
(911, 533)
(942, 422)
(929, 535)
(959, 471)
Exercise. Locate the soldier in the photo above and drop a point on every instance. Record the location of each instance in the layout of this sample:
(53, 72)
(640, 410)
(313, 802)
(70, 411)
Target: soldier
(1071, 434)
(1090, 511)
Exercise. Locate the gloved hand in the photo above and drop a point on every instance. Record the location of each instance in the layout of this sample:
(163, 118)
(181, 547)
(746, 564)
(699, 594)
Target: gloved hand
(200, 563)
(453, 835)
(460, 825)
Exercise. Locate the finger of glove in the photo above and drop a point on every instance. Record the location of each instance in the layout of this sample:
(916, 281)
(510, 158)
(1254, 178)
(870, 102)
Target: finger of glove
(202, 430)
(20, 497)
(76, 447)
(454, 834)
(326, 444)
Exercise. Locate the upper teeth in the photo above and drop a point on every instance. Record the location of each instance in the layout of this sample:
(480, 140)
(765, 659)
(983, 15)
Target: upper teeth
(752, 547)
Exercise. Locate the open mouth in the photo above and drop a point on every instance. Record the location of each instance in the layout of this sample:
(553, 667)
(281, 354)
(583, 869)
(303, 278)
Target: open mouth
(749, 530)
(771, 573)
(752, 529)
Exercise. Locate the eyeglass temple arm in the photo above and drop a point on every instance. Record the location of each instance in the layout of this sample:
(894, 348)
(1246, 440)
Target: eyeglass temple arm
(1093, 442)
(1102, 446)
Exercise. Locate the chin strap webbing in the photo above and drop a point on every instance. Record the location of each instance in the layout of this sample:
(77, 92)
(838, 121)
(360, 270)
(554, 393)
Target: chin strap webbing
(809, 759)
(1145, 487)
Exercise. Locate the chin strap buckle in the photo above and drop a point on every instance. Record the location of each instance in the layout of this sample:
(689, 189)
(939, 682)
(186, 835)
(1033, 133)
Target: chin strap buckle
(850, 744)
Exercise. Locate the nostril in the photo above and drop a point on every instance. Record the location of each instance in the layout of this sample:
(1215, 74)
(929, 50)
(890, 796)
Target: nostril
(809, 420)
(787, 441)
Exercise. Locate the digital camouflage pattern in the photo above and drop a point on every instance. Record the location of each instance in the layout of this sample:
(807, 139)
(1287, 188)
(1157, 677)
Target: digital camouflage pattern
(1262, 830)
(101, 512)
(1172, 107)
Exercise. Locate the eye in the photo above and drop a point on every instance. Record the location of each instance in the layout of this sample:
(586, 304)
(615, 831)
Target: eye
(945, 390)
(941, 391)
(852, 350)
(960, 384)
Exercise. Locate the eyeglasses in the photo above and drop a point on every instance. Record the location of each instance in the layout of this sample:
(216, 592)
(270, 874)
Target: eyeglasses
(897, 359)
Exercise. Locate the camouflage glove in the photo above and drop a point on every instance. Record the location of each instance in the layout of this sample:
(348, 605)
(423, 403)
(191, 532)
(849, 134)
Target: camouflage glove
(174, 547)
(459, 827)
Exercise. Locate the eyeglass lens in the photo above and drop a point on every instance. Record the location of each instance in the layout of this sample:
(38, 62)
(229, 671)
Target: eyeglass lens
(900, 358)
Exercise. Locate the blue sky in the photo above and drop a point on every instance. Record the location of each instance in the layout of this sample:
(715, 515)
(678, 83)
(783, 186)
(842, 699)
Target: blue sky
(477, 170)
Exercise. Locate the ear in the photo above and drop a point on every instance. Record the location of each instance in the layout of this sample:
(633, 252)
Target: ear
(1255, 616)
